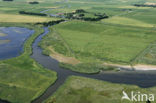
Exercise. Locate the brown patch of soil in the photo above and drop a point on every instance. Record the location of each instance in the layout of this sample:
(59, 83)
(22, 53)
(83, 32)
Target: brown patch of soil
(148, 3)
(62, 58)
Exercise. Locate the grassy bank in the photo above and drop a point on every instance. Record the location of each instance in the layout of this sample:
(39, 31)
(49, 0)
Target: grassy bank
(21, 78)
(89, 68)
(85, 90)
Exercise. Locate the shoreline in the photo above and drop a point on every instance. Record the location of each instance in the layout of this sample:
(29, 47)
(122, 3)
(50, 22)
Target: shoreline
(137, 67)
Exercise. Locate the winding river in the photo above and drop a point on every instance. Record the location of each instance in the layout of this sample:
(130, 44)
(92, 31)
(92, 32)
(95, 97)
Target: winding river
(143, 79)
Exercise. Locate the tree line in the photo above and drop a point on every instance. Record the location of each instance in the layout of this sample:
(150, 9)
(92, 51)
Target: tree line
(144, 5)
(31, 13)
(8, 0)
(50, 23)
(34, 2)
(80, 15)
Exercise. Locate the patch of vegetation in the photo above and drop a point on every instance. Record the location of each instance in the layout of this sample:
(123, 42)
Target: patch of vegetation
(144, 5)
(34, 2)
(127, 21)
(142, 14)
(54, 40)
(80, 14)
(87, 67)
(84, 90)
(30, 13)
(8, 0)
(50, 23)
(23, 18)
(22, 79)
(148, 56)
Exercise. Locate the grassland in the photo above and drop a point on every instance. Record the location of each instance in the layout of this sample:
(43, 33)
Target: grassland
(148, 56)
(85, 90)
(98, 42)
(127, 21)
(23, 19)
(120, 39)
(21, 78)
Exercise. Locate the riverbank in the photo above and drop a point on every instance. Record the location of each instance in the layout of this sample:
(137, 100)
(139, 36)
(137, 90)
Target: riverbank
(137, 67)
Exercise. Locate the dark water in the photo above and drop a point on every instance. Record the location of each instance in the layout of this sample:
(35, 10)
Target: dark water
(140, 78)
(17, 36)
(4, 101)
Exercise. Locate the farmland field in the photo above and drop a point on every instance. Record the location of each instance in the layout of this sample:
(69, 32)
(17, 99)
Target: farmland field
(127, 32)
(100, 42)
(23, 19)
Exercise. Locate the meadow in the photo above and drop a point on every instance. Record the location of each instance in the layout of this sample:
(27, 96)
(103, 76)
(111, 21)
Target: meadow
(21, 78)
(84, 90)
(99, 42)
(23, 18)
(122, 38)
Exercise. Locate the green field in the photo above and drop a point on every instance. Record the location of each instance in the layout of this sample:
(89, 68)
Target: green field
(120, 39)
(127, 21)
(21, 78)
(23, 18)
(85, 90)
(99, 42)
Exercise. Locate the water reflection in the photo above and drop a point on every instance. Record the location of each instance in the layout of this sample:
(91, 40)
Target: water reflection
(12, 40)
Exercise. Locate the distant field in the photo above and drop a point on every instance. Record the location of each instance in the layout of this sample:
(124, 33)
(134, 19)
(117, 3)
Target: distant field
(127, 21)
(143, 15)
(23, 18)
(85, 90)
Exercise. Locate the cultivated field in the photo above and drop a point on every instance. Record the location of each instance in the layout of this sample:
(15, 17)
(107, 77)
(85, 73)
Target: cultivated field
(99, 42)
(23, 19)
